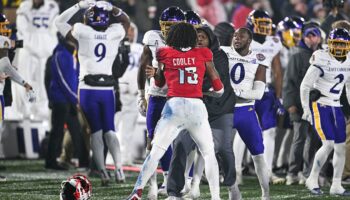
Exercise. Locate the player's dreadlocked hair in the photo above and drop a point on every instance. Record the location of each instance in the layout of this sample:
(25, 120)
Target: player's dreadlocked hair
(182, 35)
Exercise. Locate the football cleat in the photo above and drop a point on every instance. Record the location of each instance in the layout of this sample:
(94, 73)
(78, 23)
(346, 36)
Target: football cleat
(104, 178)
(162, 190)
(339, 191)
(276, 180)
(119, 176)
(291, 179)
(135, 195)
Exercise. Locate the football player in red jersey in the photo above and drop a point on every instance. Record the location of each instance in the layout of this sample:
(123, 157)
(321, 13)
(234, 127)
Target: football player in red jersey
(182, 67)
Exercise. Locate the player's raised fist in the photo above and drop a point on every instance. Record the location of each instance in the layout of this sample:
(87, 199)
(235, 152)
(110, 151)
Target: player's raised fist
(84, 4)
(105, 5)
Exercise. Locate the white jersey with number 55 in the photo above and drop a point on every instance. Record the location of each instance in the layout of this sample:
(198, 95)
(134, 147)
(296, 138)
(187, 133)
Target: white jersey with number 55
(97, 49)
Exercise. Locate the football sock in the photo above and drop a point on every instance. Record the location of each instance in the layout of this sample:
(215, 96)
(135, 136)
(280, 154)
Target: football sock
(97, 148)
(269, 144)
(114, 148)
(262, 173)
(149, 167)
(338, 163)
(319, 160)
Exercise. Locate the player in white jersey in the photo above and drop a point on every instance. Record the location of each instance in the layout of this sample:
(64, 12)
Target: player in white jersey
(247, 72)
(127, 118)
(7, 70)
(325, 79)
(152, 41)
(35, 27)
(97, 40)
(261, 25)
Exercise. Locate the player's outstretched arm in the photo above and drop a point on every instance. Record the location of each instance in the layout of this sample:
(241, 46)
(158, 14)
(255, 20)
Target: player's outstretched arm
(62, 20)
(258, 89)
(218, 87)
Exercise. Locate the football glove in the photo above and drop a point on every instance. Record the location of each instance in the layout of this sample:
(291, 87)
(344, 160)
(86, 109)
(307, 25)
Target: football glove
(84, 4)
(31, 96)
(105, 5)
(307, 116)
(279, 107)
(141, 102)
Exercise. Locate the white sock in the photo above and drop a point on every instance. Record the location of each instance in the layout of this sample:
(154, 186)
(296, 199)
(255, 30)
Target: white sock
(262, 173)
(189, 163)
(212, 173)
(338, 164)
(114, 148)
(269, 144)
(165, 178)
(97, 150)
(319, 160)
(149, 166)
(283, 153)
(198, 169)
(238, 150)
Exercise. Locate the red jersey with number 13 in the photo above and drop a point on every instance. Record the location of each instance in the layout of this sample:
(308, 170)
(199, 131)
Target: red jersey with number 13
(184, 70)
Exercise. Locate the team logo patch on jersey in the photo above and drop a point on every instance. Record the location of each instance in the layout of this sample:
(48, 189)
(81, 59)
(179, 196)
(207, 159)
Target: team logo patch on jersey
(260, 57)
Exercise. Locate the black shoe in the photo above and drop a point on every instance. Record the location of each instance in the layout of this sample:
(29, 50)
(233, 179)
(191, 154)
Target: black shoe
(55, 166)
(2, 178)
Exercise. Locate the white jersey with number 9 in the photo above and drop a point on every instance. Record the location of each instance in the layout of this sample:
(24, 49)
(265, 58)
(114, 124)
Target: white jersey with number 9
(97, 49)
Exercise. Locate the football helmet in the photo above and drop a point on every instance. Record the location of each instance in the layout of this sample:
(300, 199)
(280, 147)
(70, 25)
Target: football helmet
(259, 22)
(169, 17)
(339, 42)
(97, 17)
(77, 187)
(289, 30)
(4, 26)
(193, 18)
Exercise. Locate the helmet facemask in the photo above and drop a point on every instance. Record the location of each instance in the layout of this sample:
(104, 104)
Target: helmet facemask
(165, 26)
(339, 48)
(262, 26)
(5, 30)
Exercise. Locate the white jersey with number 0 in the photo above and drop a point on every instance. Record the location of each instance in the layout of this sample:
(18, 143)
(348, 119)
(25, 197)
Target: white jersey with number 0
(154, 40)
(242, 69)
(97, 49)
(333, 76)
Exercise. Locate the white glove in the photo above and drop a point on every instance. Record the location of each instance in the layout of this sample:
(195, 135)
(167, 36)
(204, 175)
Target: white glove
(141, 102)
(84, 4)
(307, 116)
(31, 96)
(105, 5)
(237, 91)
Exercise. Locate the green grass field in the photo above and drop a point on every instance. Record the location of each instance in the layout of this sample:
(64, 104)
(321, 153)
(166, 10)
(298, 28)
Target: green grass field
(28, 180)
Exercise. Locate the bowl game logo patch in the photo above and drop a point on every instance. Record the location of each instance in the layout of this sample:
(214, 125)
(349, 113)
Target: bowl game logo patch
(260, 57)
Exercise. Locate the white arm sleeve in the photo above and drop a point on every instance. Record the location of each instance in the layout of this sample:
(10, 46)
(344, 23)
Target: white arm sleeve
(312, 74)
(62, 20)
(256, 93)
(5, 66)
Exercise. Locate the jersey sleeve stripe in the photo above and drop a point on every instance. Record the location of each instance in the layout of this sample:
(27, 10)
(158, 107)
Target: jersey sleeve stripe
(322, 72)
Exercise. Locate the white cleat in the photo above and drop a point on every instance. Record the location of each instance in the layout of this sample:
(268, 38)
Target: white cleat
(276, 180)
(162, 190)
(174, 198)
(119, 176)
(291, 179)
(152, 192)
(338, 191)
(193, 194)
(234, 193)
(187, 187)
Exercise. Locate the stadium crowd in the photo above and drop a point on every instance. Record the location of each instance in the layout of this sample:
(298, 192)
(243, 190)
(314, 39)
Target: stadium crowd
(267, 76)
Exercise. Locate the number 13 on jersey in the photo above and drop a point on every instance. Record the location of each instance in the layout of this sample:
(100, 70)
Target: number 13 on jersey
(189, 75)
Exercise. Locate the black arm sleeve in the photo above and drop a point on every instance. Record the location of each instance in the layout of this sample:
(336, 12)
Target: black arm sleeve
(121, 62)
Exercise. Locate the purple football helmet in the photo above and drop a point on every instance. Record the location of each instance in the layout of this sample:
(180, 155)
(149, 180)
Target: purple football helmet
(97, 17)
(169, 17)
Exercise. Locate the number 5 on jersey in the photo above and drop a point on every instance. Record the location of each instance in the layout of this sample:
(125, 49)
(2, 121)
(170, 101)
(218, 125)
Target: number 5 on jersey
(191, 75)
